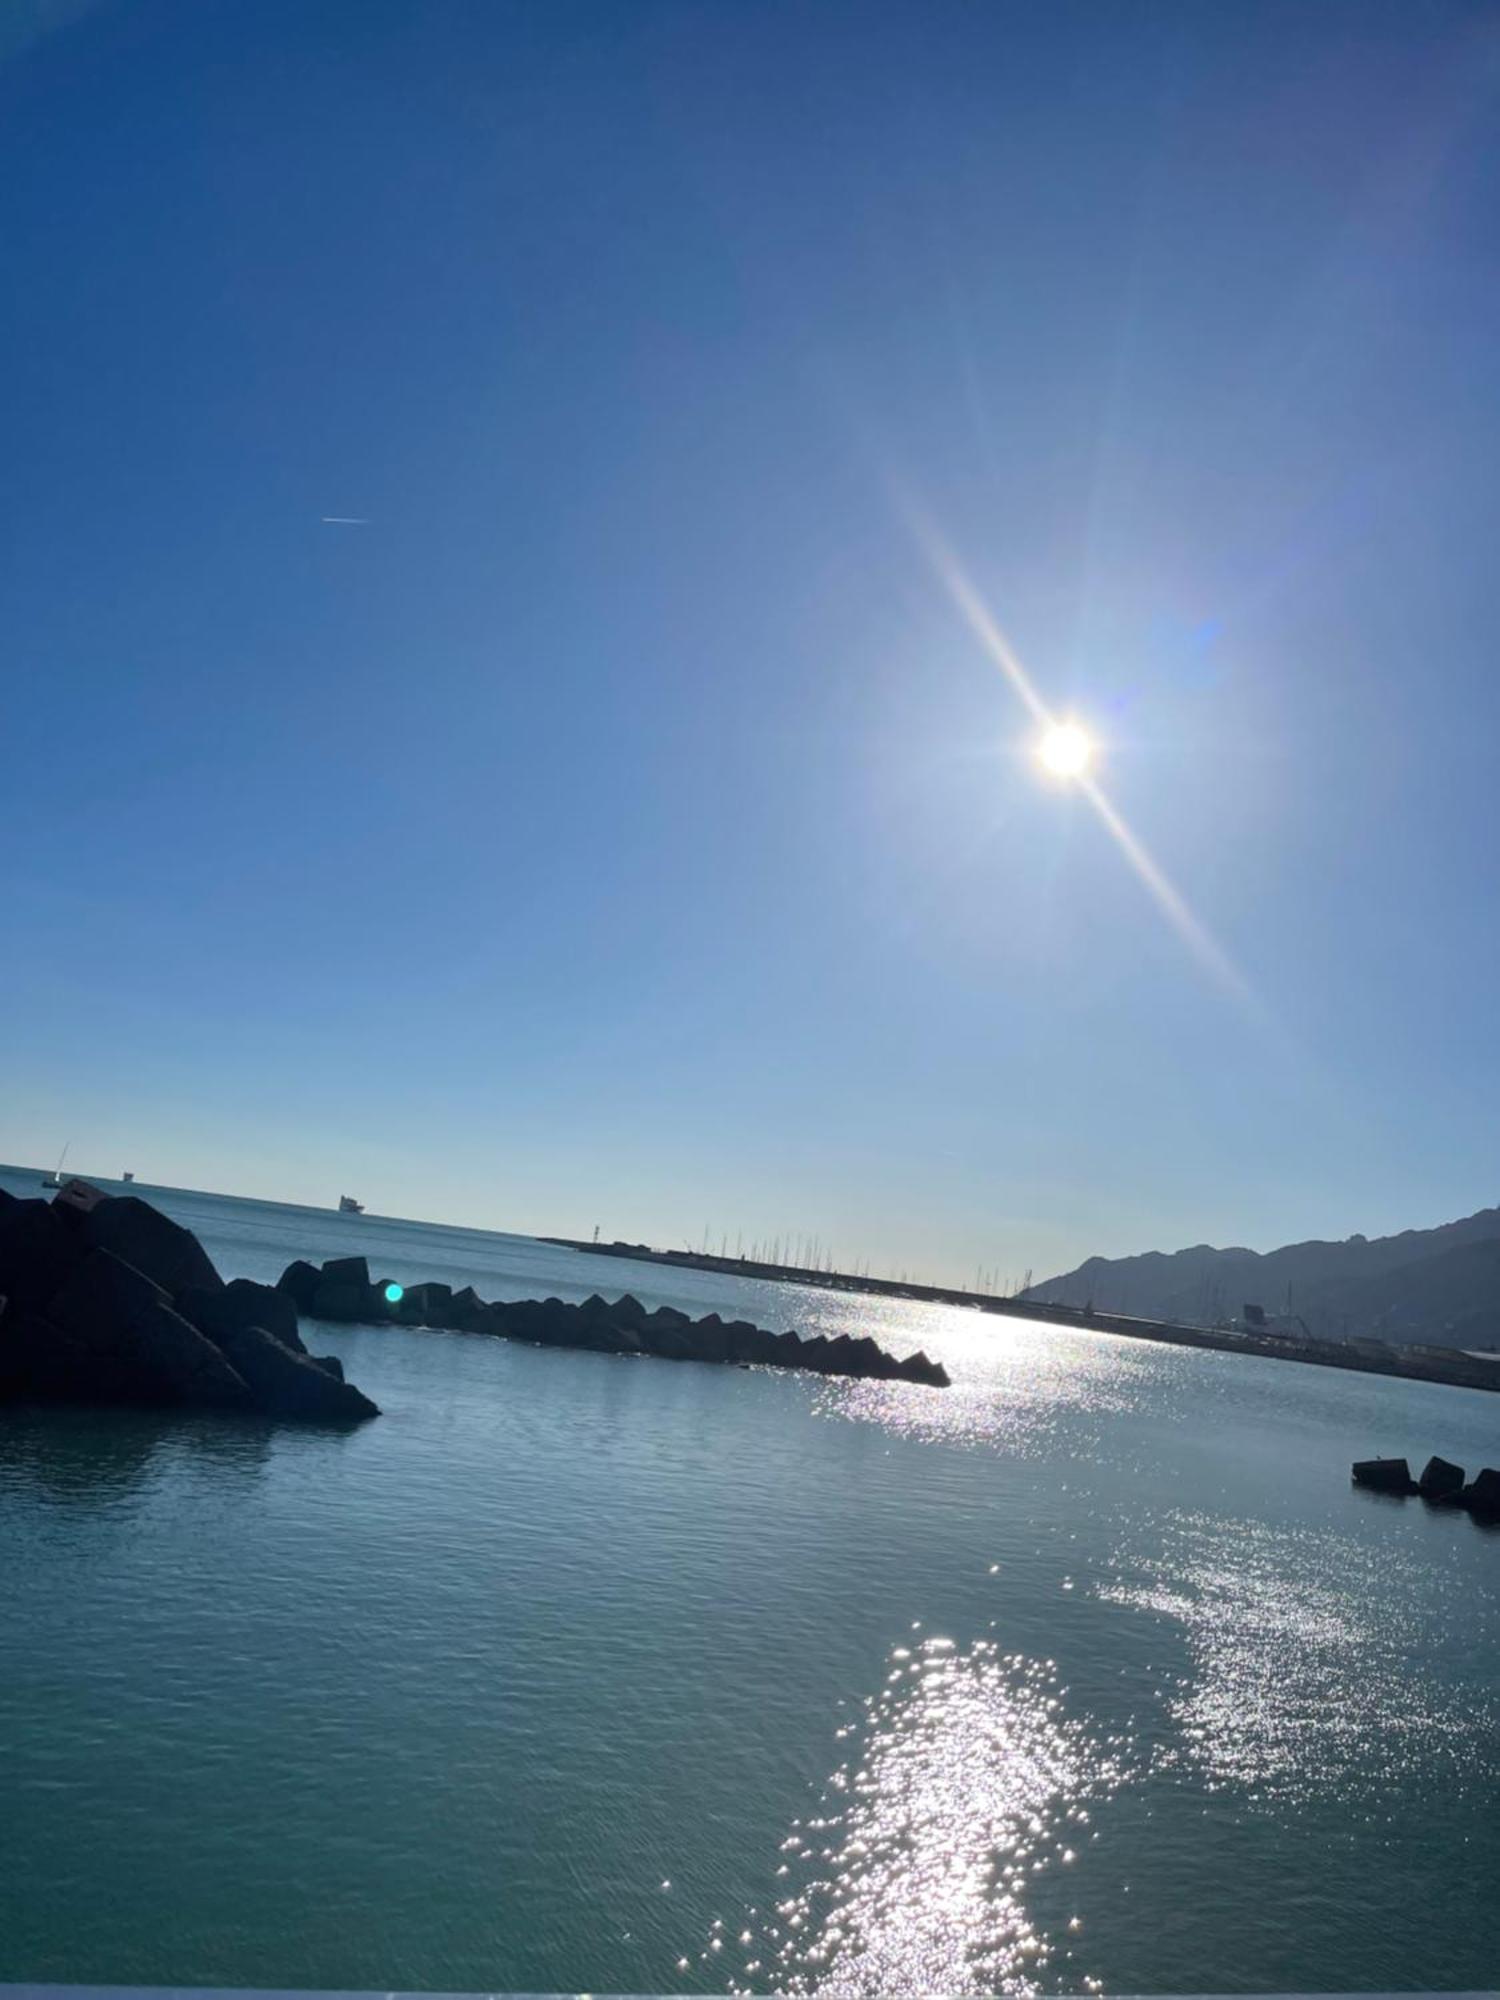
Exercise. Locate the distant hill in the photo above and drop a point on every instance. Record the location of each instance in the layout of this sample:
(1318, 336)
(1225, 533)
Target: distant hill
(1440, 1285)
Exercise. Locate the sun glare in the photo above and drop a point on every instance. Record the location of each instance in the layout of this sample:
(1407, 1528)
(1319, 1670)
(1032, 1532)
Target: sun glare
(1066, 750)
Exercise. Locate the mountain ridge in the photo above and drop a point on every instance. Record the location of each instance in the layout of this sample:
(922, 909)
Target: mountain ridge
(1340, 1288)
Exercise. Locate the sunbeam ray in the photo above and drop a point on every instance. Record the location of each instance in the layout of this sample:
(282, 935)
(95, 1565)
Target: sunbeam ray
(977, 615)
(1199, 940)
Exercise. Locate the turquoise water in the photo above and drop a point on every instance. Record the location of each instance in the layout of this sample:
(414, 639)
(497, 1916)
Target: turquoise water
(583, 1673)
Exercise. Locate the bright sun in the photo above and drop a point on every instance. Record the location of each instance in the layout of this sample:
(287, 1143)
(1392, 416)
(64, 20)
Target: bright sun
(1066, 750)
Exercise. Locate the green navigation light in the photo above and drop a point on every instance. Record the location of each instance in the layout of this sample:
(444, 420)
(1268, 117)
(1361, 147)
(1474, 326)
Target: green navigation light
(394, 1293)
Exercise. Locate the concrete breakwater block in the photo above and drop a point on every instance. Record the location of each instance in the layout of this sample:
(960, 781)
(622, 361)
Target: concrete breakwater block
(1384, 1475)
(1441, 1483)
(1439, 1477)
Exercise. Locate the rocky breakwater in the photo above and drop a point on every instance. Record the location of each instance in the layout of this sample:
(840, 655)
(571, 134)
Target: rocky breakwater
(344, 1290)
(1441, 1482)
(103, 1299)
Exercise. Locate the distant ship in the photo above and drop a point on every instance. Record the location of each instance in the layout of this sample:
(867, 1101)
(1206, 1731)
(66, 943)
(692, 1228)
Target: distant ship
(349, 1206)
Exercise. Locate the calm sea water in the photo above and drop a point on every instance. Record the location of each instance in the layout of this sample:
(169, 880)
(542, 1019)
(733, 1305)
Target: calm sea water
(582, 1673)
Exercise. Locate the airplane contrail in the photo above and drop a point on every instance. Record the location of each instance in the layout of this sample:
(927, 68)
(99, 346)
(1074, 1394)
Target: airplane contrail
(344, 520)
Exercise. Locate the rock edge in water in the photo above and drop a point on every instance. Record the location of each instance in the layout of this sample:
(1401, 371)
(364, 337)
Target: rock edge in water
(343, 1290)
(1441, 1483)
(103, 1299)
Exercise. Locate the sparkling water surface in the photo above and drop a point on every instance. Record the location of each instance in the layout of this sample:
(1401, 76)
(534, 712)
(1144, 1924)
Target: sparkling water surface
(574, 1672)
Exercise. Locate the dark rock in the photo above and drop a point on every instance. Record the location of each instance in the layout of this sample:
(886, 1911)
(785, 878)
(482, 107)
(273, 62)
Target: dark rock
(346, 1302)
(708, 1339)
(41, 1362)
(102, 1289)
(593, 1336)
(76, 1198)
(113, 1330)
(750, 1344)
(1439, 1477)
(346, 1271)
(190, 1368)
(917, 1368)
(557, 1320)
(36, 1252)
(330, 1365)
(598, 1326)
(242, 1302)
(466, 1311)
(528, 1319)
(291, 1385)
(1483, 1495)
(22, 1332)
(1384, 1475)
(125, 1343)
(300, 1282)
(140, 1235)
(425, 1305)
(515, 1318)
(497, 1319)
(667, 1342)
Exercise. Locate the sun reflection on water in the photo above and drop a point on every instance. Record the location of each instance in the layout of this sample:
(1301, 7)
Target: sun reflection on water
(1016, 1384)
(965, 1780)
(1306, 1654)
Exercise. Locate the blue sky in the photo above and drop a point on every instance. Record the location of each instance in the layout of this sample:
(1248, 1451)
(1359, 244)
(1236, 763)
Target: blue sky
(624, 826)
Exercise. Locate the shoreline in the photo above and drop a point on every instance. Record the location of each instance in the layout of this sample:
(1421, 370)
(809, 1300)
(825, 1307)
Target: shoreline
(1444, 1365)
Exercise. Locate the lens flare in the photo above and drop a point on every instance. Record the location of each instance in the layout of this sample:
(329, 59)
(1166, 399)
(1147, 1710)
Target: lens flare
(394, 1293)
